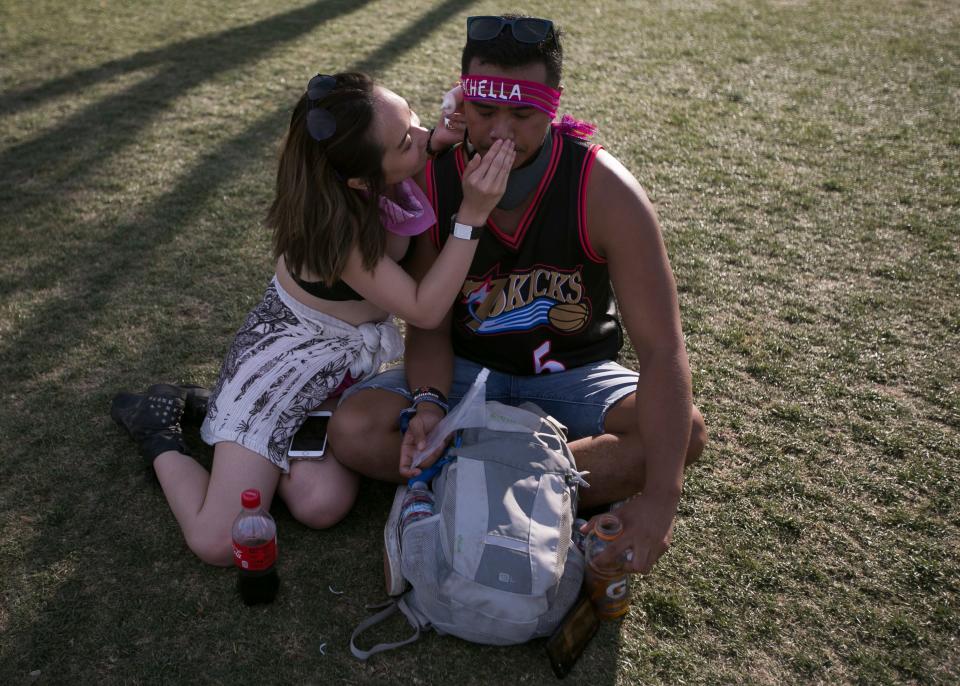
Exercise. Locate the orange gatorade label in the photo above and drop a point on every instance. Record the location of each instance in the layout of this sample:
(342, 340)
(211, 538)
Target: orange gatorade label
(609, 592)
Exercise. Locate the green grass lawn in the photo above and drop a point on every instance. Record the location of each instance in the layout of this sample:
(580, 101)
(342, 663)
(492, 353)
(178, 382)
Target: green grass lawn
(803, 157)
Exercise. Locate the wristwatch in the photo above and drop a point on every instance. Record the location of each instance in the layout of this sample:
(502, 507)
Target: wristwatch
(465, 231)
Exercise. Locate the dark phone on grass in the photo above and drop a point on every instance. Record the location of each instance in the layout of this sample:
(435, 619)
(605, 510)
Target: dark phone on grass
(311, 438)
(566, 644)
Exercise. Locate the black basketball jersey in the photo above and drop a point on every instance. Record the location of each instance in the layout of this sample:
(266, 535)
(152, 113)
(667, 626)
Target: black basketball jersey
(539, 300)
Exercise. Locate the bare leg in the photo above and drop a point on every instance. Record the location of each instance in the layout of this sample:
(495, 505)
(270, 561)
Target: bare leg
(615, 459)
(205, 505)
(365, 434)
(319, 493)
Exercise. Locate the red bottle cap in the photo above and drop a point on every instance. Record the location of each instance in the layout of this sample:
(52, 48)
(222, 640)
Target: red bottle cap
(250, 498)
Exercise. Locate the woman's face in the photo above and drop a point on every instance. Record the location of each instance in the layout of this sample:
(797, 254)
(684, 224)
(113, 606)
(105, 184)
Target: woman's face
(403, 140)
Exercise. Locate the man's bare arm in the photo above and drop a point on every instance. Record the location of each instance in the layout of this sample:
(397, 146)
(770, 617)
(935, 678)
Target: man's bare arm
(623, 228)
(428, 362)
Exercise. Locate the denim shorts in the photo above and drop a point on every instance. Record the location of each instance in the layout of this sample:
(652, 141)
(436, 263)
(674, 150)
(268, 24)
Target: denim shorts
(578, 398)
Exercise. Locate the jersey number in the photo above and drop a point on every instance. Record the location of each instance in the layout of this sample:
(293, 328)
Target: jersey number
(541, 364)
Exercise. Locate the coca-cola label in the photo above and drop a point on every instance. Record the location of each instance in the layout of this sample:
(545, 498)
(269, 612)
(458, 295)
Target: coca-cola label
(255, 557)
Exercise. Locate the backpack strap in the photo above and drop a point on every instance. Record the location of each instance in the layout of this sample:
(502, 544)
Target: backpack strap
(389, 607)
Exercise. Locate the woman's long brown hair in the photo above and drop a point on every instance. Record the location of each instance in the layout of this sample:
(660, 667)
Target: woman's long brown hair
(316, 218)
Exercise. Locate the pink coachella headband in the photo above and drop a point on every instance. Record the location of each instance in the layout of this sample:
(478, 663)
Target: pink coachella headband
(501, 90)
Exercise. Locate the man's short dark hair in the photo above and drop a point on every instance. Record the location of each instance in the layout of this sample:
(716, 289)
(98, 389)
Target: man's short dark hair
(503, 51)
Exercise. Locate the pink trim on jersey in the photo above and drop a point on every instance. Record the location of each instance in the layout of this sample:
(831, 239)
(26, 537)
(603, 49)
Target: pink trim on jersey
(582, 210)
(434, 202)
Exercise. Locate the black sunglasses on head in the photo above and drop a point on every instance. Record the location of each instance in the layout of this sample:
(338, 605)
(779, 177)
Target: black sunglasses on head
(524, 29)
(320, 122)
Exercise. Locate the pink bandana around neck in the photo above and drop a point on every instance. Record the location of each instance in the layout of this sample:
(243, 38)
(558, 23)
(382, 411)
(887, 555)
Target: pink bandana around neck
(411, 214)
(501, 90)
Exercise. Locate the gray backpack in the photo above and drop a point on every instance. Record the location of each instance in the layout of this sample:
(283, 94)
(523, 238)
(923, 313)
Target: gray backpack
(495, 564)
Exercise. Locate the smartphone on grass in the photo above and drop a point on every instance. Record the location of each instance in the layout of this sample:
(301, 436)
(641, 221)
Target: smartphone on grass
(566, 644)
(311, 438)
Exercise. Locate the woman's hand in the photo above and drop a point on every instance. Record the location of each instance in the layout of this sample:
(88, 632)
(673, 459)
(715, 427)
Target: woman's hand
(451, 126)
(484, 182)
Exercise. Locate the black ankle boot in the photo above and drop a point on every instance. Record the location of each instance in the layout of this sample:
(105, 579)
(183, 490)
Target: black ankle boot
(152, 419)
(195, 409)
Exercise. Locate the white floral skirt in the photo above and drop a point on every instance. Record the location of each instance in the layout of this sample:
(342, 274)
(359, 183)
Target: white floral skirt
(285, 361)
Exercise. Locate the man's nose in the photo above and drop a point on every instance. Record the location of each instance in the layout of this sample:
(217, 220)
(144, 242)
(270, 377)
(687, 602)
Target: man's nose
(502, 129)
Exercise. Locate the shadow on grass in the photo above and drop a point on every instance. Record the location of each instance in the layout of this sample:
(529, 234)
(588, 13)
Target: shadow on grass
(69, 151)
(215, 52)
(97, 272)
(93, 547)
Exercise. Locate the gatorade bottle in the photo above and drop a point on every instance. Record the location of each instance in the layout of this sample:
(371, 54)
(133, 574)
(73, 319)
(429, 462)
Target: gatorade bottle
(255, 551)
(607, 586)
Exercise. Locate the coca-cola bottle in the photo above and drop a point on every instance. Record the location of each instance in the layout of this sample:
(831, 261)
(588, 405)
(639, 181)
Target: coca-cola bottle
(608, 585)
(255, 551)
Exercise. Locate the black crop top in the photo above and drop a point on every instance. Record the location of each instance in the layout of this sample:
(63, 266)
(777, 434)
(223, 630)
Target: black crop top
(338, 291)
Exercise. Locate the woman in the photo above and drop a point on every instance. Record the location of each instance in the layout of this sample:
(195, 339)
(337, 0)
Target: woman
(344, 211)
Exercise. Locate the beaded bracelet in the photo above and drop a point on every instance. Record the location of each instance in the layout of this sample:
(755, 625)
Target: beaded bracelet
(428, 394)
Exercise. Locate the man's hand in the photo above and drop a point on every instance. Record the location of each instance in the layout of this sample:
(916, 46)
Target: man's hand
(647, 531)
(428, 416)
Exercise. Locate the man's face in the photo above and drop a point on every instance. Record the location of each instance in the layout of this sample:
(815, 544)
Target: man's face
(488, 123)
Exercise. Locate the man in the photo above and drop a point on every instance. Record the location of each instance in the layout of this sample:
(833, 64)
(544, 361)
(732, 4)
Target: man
(537, 306)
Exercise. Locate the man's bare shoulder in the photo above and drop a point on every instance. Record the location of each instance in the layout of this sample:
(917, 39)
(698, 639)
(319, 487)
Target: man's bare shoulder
(617, 206)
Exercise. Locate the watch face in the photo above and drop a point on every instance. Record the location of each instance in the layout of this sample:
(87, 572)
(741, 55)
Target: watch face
(465, 231)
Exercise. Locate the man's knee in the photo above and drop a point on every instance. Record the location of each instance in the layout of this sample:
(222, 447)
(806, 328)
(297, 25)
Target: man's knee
(621, 420)
(360, 417)
(349, 421)
(698, 438)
